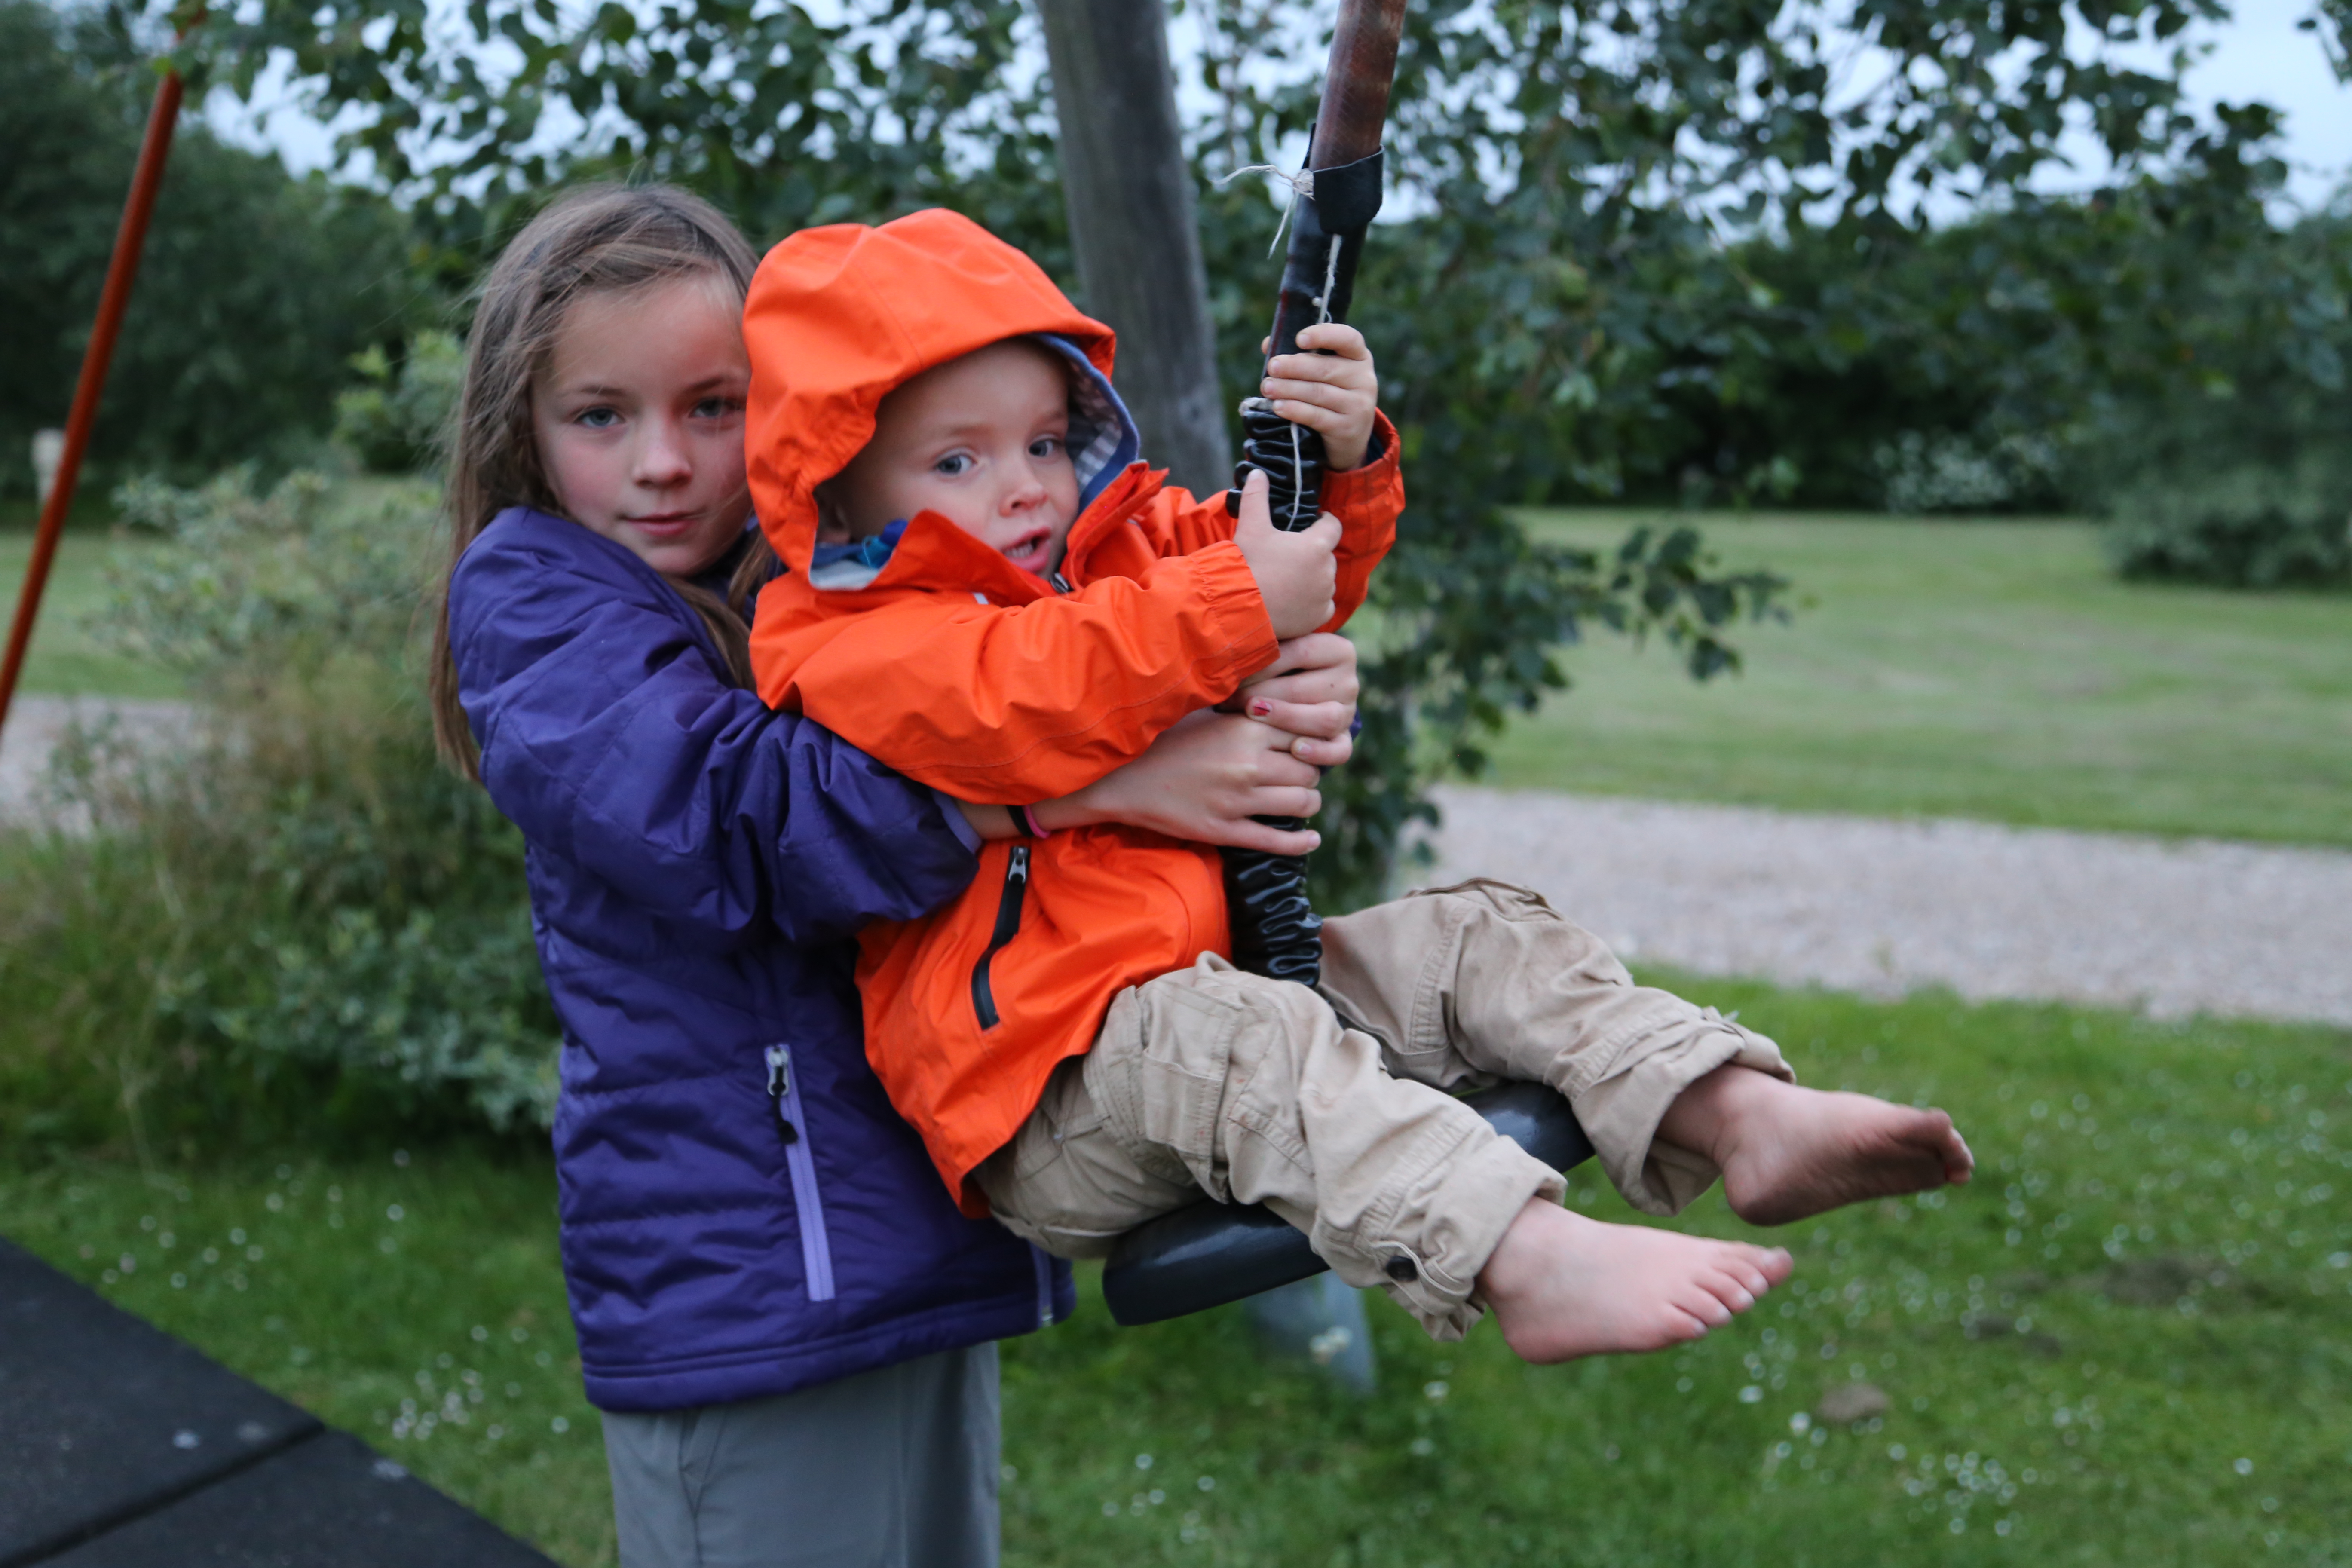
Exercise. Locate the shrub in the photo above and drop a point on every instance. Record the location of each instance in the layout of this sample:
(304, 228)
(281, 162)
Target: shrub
(1924, 473)
(295, 922)
(247, 587)
(394, 420)
(2247, 527)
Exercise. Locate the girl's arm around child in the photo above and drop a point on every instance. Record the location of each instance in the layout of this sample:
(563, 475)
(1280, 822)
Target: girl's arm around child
(611, 737)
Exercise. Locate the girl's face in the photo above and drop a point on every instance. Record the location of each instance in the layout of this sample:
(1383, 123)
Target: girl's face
(640, 419)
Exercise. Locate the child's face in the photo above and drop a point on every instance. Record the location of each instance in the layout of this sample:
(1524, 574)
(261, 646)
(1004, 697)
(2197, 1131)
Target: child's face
(640, 419)
(979, 440)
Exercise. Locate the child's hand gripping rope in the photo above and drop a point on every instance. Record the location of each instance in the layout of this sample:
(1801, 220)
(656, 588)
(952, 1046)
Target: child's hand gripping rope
(1330, 387)
(1298, 574)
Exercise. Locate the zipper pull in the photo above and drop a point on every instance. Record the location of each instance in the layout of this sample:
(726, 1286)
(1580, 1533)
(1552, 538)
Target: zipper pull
(1016, 869)
(1061, 584)
(779, 1089)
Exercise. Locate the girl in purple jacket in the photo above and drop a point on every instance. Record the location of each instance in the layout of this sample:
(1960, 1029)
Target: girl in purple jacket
(788, 1327)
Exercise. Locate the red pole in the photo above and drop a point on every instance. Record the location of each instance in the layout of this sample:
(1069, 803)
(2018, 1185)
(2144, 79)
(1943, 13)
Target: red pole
(129, 240)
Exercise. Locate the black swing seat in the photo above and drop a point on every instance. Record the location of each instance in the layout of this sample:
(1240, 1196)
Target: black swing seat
(1212, 1253)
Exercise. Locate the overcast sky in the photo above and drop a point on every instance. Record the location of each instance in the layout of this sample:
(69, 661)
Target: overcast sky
(2259, 54)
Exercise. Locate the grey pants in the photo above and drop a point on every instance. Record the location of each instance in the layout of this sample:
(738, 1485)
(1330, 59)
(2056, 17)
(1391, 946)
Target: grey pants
(891, 1469)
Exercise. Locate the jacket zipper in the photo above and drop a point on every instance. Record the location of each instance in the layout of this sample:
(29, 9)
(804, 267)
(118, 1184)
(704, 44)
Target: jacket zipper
(1008, 924)
(816, 1249)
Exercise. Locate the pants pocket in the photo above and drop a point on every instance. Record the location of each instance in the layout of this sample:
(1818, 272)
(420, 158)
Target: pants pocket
(1160, 1075)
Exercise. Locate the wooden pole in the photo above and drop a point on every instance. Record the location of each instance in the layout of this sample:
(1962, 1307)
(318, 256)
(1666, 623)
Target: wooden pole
(129, 239)
(1129, 192)
(1355, 104)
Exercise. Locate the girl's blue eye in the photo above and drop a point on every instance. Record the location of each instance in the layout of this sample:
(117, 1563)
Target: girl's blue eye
(599, 417)
(1045, 446)
(953, 465)
(717, 407)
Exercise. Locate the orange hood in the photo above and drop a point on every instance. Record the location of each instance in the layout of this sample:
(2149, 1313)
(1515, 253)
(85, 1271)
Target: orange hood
(840, 317)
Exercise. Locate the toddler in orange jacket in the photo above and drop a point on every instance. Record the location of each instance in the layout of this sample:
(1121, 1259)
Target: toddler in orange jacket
(988, 590)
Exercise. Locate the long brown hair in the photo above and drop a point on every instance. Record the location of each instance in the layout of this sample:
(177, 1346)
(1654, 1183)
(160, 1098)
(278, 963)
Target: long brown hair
(593, 240)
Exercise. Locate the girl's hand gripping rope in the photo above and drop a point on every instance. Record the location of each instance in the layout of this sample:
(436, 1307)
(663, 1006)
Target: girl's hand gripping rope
(1310, 694)
(1213, 778)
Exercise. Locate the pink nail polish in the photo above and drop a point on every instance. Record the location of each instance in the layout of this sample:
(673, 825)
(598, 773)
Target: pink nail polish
(1260, 708)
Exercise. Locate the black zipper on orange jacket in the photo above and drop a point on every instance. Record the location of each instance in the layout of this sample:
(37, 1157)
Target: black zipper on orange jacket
(1008, 923)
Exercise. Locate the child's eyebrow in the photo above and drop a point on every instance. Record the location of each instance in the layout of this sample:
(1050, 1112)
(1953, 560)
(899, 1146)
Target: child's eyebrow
(978, 425)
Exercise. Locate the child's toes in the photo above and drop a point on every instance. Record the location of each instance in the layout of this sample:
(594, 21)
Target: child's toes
(1681, 1325)
(1729, 1290)
(1700, 1301)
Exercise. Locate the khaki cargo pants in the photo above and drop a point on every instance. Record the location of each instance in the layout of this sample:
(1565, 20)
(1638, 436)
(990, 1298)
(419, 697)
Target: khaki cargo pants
(1331, 1109)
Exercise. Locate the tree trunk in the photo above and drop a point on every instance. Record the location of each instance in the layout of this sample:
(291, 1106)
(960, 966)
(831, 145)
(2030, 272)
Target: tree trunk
(1132, 225)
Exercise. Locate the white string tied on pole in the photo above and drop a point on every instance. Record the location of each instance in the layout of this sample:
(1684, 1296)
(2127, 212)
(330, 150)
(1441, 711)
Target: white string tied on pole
(1331, 280)
(1302, 183)
(1300, 180)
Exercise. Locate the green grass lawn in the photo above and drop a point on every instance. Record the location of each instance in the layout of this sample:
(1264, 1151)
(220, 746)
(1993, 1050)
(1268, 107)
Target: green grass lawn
(1983, 669)
(66, 660)
(2129, 1341)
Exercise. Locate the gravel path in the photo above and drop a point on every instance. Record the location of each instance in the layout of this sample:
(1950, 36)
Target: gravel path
(2171, 927)
(1885, 907)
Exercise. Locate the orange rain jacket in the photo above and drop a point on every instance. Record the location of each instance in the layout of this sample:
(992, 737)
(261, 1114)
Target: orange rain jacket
(984, 680)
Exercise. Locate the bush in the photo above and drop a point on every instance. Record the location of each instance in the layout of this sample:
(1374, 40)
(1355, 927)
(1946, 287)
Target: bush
(2244, 527)
(249, 587)
(296, 923)
(396, 419)
(1924, 473)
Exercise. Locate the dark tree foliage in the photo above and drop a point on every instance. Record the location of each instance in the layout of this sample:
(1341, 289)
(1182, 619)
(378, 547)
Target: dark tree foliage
(2076, 343)
(255, 288)
(784, 120)
(1565, 305)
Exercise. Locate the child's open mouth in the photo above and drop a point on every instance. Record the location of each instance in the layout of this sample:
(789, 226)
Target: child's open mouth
(1030, 550)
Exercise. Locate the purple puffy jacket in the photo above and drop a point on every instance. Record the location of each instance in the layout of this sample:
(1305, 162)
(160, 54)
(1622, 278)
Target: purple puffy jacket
(742, 1212)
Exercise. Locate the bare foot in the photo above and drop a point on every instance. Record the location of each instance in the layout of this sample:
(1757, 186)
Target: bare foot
(1562, 1286)
(1787, 1152)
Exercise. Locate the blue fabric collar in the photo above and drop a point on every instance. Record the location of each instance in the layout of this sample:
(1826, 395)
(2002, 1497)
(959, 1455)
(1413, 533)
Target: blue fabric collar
(1103, 438)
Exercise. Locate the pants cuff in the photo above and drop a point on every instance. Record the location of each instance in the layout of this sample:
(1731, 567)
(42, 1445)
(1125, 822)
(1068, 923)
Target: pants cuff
(1425, 1249)
(1621, 1112)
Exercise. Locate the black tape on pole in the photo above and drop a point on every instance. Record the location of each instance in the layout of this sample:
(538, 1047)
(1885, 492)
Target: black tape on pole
(1276, 930)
